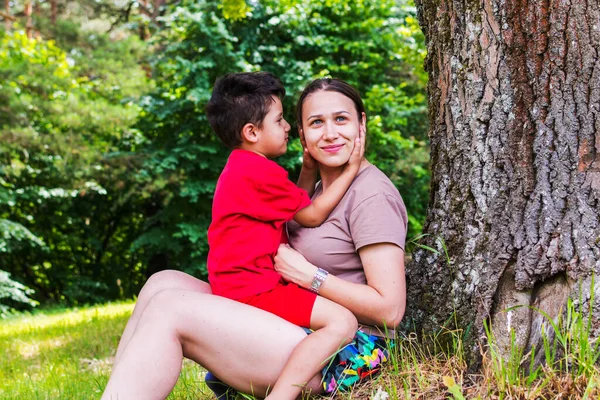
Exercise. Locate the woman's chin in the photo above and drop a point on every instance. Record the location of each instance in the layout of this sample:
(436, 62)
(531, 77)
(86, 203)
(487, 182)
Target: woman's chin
(333, 162)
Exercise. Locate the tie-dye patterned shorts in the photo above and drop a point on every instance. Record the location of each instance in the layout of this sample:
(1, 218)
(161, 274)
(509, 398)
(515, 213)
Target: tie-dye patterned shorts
(360, 359)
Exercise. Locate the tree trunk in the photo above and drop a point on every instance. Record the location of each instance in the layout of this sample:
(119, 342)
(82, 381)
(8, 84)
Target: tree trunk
(7, 16)
(53, 11)
(29, 19)
(144, 31)
(156, 10)
(514, 100)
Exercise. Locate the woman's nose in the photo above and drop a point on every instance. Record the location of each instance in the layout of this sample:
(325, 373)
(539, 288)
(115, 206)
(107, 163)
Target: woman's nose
(331, 131)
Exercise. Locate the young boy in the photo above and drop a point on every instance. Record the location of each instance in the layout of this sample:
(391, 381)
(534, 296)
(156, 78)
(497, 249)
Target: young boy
(253, 200)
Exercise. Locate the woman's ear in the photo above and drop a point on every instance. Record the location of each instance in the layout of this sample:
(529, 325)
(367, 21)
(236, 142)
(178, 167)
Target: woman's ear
(249, 133)
(363, 121)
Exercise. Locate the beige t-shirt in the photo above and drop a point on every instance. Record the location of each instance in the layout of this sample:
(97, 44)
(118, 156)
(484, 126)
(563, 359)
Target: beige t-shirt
(370, 212)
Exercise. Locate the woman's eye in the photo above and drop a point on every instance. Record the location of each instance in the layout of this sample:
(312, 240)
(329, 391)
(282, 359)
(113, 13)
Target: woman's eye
(316, 122)
(340, 118)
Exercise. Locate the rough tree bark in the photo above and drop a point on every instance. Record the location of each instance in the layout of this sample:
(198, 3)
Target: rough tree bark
(53, 11)
(144, 32)
(7, 17)
(29, 19)
(514, 100)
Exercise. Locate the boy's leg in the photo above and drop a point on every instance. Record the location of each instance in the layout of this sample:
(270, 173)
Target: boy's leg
(334, 327)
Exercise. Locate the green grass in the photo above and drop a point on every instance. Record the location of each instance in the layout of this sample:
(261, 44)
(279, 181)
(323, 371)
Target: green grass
(68, 354)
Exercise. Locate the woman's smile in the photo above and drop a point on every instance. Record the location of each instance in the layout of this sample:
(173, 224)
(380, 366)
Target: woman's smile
(333, 148)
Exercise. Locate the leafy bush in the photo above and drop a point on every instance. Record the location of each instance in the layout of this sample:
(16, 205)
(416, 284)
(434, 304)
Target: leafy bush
(365, 43)
(60, 180)
(12, 292)
(107, 162)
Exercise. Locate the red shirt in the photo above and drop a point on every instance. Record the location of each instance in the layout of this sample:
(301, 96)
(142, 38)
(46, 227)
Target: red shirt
(253, 200)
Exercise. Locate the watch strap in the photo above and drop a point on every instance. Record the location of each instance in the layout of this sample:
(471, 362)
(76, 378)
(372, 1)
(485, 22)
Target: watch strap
(318, 279)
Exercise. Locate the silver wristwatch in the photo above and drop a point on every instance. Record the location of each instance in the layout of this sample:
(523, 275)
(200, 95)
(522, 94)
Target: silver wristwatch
(318, 279)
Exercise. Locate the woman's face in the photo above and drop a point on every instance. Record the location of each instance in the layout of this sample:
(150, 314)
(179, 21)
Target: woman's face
(330, 124)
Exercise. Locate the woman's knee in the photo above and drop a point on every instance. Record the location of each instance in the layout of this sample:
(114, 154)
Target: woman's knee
(171, 279)
(159, 281)
(165, 304)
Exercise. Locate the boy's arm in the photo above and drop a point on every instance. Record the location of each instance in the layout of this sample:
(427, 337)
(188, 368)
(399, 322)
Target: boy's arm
(308, 174)
(316, 213)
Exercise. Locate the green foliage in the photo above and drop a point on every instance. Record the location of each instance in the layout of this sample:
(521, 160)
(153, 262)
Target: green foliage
(106, 175)
(15, 235)
(12, 292)
(63, 193)
(298, 41)
(235, 9)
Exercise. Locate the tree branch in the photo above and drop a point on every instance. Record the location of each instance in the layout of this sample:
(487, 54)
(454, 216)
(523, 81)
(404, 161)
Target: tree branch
(123, 16)
(7, 16)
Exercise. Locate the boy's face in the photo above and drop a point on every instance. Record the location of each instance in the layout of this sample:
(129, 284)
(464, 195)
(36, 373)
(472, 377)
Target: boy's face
(274, 132)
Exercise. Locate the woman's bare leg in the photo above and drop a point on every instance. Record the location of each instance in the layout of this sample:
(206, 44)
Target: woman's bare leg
(168, 279)
(245, 347)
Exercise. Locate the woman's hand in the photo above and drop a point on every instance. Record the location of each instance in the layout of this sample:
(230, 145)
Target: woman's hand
(293, 267)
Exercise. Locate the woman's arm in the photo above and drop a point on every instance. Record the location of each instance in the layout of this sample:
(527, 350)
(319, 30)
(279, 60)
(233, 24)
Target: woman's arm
(380, 302)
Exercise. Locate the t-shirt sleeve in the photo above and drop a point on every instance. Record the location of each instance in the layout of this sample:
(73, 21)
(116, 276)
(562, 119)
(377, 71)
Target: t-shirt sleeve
(278, 198)
(380, 218)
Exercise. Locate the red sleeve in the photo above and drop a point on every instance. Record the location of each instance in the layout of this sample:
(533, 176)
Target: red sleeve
(277, 198)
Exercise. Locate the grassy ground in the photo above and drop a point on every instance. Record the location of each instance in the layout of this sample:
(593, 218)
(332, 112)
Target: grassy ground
(67, 354)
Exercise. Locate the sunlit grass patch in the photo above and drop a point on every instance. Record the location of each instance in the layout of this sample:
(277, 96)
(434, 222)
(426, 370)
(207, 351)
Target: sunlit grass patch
(43, 352)
(68, 354)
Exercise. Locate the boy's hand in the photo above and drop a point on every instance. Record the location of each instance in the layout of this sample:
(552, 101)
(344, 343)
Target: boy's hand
(358, 152)
(308, 162)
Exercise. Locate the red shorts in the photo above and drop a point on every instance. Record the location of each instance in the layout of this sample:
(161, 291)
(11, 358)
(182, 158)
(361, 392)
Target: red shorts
(286, 300)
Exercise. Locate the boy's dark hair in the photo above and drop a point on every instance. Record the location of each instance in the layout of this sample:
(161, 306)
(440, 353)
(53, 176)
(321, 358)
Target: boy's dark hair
(238, 99)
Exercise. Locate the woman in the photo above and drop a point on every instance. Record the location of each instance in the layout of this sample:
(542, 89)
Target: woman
(361, 242)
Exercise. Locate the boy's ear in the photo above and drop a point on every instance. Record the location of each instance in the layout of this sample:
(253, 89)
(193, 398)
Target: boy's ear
(250, 133)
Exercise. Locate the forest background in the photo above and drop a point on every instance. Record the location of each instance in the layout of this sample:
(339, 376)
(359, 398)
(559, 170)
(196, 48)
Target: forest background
(107, 162)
